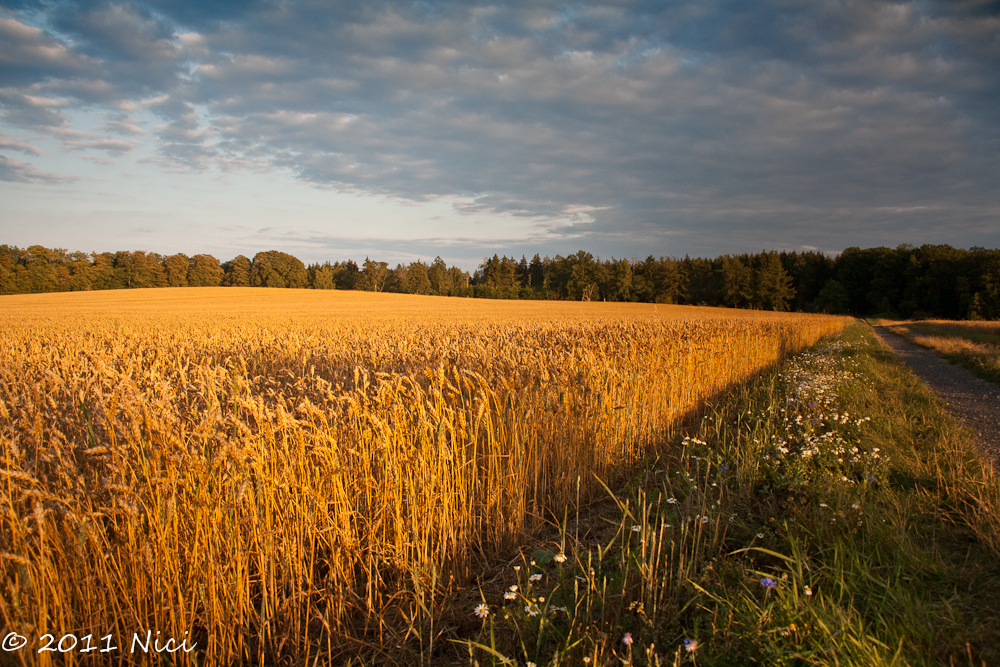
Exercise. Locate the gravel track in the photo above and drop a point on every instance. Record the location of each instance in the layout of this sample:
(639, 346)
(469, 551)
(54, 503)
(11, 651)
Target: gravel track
(975, 402)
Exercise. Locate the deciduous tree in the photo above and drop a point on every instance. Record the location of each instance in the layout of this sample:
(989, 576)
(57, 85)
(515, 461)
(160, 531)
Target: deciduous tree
(237, 272)
(205, 271)
(176, 267)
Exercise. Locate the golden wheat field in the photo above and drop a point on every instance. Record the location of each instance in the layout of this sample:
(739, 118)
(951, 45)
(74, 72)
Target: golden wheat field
(284, 476)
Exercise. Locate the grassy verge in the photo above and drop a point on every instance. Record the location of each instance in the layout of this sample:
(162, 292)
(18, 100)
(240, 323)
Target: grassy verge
(971, 345)
(827, 514)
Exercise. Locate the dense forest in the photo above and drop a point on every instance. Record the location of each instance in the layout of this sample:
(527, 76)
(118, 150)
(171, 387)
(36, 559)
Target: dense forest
(929, 281)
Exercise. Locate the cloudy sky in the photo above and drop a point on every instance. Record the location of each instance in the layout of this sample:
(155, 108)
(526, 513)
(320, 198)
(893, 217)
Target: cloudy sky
(405, 130)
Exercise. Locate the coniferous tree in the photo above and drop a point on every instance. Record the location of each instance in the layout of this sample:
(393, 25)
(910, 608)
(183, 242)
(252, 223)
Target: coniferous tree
(346, 274)
(523, 274)
(616, 280)
(536, 273)
(461, 281)
(809, 272)
(698, 282)
(737, 282)
(557, 277)
(439, 277)
(322, 276)
(774, 286)
(585, 275)
(415, 279)
(985, 301)
(373, 276)
(497, 278)
(833, 298)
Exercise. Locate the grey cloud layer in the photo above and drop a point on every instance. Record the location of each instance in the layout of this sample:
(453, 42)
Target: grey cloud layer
(707, 126)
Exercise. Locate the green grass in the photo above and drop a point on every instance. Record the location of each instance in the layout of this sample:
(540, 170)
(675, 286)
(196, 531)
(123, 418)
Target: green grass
(888, 555)
(955, 331)
(976, 351)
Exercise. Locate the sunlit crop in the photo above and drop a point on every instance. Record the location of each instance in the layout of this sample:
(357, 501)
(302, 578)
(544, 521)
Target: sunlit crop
(280, 475)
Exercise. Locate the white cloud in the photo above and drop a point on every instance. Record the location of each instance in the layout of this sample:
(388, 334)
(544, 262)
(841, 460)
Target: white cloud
(110, 146)
(10, 142)
(22, 172)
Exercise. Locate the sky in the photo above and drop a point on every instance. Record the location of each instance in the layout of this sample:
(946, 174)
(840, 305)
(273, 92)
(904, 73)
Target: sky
(410, 130)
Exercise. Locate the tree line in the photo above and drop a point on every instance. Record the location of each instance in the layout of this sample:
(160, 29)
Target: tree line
(929, 281)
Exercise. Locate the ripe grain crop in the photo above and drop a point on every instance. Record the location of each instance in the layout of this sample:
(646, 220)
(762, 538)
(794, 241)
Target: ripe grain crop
(282, 476)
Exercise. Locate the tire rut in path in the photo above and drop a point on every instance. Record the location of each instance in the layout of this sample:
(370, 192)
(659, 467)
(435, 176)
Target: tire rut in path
(975, 402)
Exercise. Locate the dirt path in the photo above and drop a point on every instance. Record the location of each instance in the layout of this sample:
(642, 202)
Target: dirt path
(975, 402)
